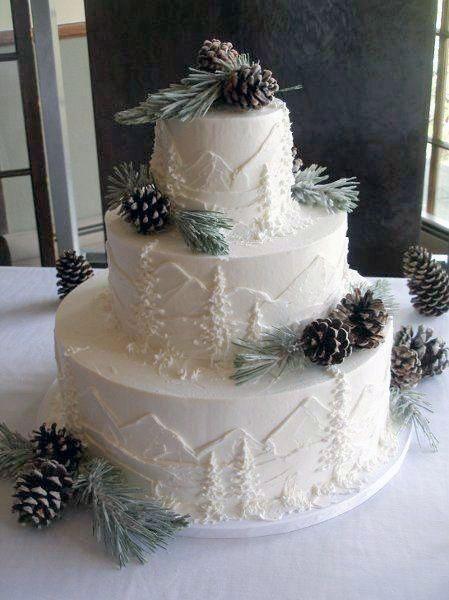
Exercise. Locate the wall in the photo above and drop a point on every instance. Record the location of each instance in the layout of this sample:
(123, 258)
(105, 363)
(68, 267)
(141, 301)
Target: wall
(82, 145)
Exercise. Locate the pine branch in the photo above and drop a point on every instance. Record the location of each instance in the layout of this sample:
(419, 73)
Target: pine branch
(189, 99)
(311, 188)
(124, 181)
(407, 407)
(129, 525)
(277, 350)
(381, 289)
(15, 452)
(201, 230)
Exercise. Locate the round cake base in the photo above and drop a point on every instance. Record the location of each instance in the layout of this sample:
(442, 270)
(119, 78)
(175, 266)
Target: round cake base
(242, 529)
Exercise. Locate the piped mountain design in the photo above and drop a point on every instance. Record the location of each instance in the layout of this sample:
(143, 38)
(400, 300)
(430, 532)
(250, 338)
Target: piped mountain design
(181, 294)
(148, 439)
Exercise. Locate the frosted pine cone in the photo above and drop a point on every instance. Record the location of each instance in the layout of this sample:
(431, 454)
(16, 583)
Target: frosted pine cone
(326, 341)
(406, 368)
(57, 444)
(213, 53)
(71, 270)
(250, 87)
(147, 209)
(365, 317)
(428, 282)
(42, 493)
(432, 351)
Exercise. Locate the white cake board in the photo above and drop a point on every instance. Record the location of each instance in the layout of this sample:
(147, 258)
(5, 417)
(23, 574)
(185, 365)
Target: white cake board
(244, 529)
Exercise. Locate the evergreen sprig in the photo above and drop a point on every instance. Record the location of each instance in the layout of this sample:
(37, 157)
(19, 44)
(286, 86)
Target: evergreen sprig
(125, 180)
(15, 452)
(278, 349)
(312, 187)
(130, 526)
(407, 407)
(381, 289)
(201, 230)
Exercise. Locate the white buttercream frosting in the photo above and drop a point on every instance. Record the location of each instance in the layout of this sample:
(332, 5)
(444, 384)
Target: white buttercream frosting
(210, 448)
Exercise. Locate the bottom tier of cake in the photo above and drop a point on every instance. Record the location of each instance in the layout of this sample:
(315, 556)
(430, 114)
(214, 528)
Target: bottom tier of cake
(203, 445)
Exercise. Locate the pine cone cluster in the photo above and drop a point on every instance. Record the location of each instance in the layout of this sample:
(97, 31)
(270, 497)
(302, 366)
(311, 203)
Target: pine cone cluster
(432, 351)
(297, 162)
(147, 209)
(42, 493)
(364, 316)
(428, 282)
(250, 87)
(71, 270)
(58, 445)
(406, 368)
(213, 53)
(326, 341)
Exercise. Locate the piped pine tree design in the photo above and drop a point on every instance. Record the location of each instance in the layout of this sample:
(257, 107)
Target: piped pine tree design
(212, 493)
(247, 484)
(266, 221)
(216, 331)
(338, 452)
(255, 327)
(147, 309)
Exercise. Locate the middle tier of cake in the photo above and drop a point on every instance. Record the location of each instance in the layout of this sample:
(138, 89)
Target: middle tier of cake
(168, 298)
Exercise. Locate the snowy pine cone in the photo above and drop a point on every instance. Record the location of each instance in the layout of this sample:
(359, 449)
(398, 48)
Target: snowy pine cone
(432, 351)
(147, 209)
(326, 341)
(406, 368)
(213, 53)
(250, 87)
(365, 317)
(42, 493)
(57, 444)
(428, 282)
(71, 270)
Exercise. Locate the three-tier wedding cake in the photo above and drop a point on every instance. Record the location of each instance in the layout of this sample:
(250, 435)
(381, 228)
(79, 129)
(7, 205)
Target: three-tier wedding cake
(150, 351)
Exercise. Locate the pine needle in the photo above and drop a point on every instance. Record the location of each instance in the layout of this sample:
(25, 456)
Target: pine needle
(15, 452)
(189, 99)
(130, 526)
(201, 230)
(312, 188)
(277, 350)
(124, 181)
(407, 407)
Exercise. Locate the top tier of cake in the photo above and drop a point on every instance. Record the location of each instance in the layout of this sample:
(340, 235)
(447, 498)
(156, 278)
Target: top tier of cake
(237, 162)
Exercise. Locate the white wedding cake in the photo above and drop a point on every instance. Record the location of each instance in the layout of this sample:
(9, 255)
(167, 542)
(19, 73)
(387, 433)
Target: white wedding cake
(145, 350)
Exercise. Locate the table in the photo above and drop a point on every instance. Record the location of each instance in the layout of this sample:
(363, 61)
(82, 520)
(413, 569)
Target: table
(394, 547)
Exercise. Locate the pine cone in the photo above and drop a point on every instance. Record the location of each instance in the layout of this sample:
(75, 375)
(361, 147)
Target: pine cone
(432, 351)
(147, 209)
(364, 316)
(406, 368)
(42, 493)
(250, 87)
(71, 270)
(428, 282)
(58, 445)
(297, 162)
(326, 341)
(213, 52)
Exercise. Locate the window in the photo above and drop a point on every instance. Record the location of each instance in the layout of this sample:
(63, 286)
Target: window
(436, 196)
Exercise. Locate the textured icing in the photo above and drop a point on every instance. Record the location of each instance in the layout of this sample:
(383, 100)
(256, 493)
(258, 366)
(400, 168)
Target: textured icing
(213, 449)
(233, 162)
(164, 294)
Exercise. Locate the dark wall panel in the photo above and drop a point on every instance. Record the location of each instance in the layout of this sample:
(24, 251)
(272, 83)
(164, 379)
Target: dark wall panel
(366, 67)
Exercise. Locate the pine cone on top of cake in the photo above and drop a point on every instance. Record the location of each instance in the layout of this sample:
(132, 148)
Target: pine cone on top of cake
(326, 341)
(213, 53)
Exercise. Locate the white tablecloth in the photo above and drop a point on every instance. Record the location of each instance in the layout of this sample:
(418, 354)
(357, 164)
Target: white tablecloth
(395, 546)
